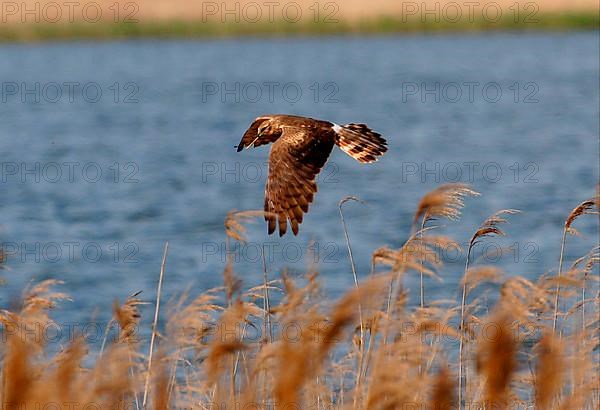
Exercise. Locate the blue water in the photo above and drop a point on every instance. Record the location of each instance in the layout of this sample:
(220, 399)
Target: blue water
(93, 185)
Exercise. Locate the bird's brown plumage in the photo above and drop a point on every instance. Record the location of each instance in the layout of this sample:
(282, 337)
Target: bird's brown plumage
(300, 149)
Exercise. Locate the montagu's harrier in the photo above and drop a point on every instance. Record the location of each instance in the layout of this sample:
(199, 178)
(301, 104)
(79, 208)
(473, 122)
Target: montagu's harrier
(301, 148)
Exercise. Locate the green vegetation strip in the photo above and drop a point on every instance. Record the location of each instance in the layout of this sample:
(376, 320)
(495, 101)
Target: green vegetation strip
(199, 29)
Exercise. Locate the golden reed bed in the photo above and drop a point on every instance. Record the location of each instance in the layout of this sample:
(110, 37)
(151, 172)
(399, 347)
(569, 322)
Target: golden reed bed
(231, 348)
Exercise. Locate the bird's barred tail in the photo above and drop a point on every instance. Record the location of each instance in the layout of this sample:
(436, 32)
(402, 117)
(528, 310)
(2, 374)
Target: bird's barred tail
(360, 142)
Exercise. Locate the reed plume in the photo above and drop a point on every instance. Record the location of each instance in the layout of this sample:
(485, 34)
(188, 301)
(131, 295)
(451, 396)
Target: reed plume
(489, 227)
(589, 206)
(496, 361)
(443, 391)
(549, 370)
(445, 201)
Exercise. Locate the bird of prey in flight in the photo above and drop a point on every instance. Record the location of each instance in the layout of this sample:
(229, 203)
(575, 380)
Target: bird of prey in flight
(300, 148)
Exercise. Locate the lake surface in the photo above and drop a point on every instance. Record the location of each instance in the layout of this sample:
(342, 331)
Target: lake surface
(111, 149)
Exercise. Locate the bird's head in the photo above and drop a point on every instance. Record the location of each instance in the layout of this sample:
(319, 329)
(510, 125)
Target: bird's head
(265, 127)
(262, 131)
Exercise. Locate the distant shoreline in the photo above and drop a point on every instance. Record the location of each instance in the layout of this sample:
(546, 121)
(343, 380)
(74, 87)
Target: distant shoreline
(190, 29)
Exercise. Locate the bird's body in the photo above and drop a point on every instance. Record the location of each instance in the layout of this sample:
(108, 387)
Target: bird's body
(300, 149)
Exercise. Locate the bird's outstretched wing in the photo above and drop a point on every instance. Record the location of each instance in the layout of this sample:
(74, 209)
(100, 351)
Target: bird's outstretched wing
(251, 137)
(295, 160)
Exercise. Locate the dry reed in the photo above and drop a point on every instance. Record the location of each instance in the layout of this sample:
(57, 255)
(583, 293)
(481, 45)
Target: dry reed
(370, 350)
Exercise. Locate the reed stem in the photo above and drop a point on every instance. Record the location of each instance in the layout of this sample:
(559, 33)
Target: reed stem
(155, 323)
